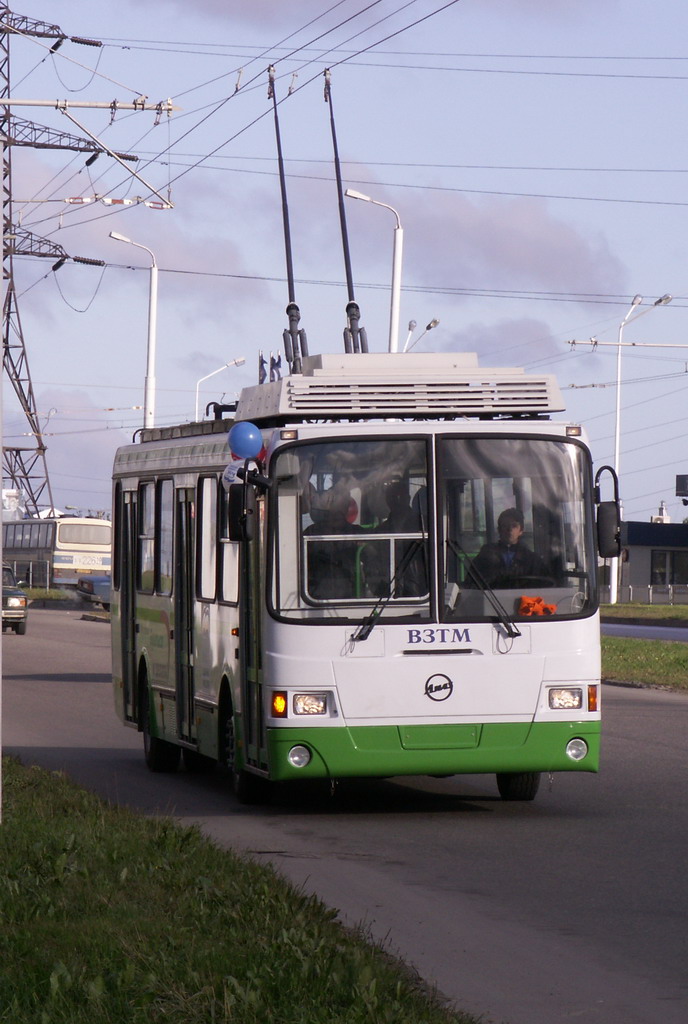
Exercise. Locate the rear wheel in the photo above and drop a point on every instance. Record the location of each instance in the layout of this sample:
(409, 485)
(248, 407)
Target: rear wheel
(160, 755)
(518, 785)
(248, 788)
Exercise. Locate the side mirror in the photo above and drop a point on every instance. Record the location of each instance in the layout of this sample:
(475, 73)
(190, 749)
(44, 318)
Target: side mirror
(241, 512)
(608, 518)
(608, 529)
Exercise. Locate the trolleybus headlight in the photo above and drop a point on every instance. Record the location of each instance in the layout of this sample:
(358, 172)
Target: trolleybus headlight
(310, 703)
(298, 757)
(576, 749)
(566, 698)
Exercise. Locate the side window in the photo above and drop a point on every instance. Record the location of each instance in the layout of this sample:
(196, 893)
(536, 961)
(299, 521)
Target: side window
(659, 568)
(165, 549)
(145, 561)
(116, 535)
(679, 568)
(207, 538)
(228, 553)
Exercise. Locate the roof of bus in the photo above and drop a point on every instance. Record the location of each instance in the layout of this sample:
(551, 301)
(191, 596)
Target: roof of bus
(369, 385)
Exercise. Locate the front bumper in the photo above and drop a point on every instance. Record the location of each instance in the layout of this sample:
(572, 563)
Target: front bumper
(385, 751)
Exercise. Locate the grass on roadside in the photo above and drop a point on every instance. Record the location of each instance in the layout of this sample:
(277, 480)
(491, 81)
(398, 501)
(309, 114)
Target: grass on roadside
(648, 662)
(649, 612)
(41, 594)
(113, 918)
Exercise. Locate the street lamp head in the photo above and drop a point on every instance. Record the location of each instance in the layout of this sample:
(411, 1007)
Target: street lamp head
(353, 194)
(664, 301)
(637, 299)
(433, 323)
(119, 238)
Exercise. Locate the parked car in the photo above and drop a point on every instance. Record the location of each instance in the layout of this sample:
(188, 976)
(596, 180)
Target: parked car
(95, 589)
(14, 603)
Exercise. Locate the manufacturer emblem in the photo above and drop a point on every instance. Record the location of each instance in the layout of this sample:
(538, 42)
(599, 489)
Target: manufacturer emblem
(439, 687)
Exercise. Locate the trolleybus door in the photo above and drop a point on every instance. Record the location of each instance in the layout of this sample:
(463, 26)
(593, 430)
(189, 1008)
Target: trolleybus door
(251, 630)
(183, 612)
(128, 541)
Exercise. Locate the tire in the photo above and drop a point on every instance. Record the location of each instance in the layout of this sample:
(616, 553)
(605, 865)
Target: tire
(160, 755)
(20, 628)
(518, 785)
(248, 788)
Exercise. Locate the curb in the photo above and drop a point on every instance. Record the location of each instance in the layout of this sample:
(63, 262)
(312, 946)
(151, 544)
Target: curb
(630, 621)
(640, 686)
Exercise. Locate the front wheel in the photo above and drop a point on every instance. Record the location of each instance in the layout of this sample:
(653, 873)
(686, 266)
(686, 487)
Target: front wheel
(518, 785)
(20, 628)
(248, 788)
(160, 755)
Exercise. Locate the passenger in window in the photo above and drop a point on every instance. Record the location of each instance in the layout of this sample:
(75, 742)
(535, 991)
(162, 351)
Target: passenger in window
(508, 560)
(402, 518)
(409, 560)
(332, 565)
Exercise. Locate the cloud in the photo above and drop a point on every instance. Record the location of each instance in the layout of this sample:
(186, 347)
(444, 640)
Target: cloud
(261, 13)
(506, 342)
(501, 243)
(511, 243)
(81, 445)
(277, 14)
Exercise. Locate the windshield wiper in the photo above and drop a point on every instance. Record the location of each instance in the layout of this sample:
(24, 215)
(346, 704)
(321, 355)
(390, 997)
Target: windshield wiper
(512, 630)
(366, 627)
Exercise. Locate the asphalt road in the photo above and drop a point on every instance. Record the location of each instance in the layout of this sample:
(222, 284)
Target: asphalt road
(572, 908)
(677, 633)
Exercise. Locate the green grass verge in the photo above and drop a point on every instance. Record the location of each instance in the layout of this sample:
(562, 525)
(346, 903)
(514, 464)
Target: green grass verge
(113, 918)
(647, 662)
(40, 593)
(679, 612)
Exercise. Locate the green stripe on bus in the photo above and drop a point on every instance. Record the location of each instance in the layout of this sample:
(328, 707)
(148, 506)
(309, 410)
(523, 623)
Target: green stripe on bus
(383, 751)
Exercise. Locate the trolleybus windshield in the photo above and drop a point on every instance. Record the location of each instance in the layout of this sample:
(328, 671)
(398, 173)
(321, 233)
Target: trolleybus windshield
(351, 529)
(514, 517)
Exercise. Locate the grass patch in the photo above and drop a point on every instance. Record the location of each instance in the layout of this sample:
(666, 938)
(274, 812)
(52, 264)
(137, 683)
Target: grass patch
(649, 662)
(650, 612)
(115, 918)
(51, 594)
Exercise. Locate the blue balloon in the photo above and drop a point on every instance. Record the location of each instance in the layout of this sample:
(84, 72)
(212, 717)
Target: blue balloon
(245, 440)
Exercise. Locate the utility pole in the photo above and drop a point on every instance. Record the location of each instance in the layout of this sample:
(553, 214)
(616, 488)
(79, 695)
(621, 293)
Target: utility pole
(26, 467)
(619, 344)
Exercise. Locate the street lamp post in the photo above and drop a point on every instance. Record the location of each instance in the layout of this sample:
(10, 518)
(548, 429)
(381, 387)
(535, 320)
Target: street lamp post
(233, 362)
(637, 300)
(407, 347)
(149, 385)
(396, 268)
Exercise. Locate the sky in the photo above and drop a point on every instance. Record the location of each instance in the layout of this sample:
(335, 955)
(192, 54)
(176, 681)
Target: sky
(536, 155)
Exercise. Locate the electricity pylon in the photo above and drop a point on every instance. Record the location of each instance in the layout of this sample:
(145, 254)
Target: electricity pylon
(25, 468)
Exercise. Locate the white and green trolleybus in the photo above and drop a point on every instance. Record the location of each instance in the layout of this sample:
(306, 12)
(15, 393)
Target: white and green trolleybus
(322, 595)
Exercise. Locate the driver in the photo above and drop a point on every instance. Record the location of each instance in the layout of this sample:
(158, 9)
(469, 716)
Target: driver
(510, 558)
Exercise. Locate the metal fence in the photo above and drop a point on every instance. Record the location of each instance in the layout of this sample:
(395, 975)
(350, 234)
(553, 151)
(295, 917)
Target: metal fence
(33, 574)
(652, 594)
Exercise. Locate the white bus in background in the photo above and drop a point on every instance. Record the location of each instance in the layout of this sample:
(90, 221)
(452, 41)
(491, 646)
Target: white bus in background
(56, 552)
(325, 617)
